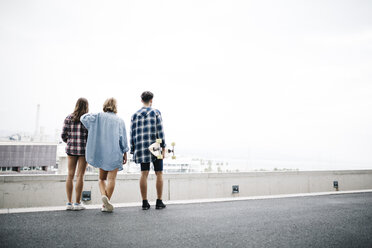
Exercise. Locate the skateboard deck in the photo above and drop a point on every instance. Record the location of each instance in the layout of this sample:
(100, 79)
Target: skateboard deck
(156, 150)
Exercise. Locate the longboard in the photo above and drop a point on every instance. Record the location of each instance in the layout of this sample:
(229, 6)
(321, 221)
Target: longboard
(156, 150)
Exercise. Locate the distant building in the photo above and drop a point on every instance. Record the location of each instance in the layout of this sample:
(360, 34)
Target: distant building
(22, 156)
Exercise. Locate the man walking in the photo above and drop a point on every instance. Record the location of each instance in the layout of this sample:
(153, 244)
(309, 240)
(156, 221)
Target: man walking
(146, 127)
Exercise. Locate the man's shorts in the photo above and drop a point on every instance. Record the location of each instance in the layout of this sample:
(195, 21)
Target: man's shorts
(158, 165)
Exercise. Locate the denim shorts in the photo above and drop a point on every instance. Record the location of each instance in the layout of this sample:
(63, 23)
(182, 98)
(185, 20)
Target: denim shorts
(158, 165)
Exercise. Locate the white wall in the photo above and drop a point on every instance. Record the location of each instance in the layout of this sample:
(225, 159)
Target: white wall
(49, 190)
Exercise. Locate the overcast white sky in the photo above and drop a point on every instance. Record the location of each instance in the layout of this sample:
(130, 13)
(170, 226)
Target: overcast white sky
(267, 79)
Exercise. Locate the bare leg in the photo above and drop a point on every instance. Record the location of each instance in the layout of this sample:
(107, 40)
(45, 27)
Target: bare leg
(111, 182)
(102, 181)
(82, 166)
(143, 184)
(159, 184)
(71, 165)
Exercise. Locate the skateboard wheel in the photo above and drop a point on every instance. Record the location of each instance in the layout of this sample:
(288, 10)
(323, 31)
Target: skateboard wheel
(160, 157)
(173, 144)
(173, 157)
(158, 141)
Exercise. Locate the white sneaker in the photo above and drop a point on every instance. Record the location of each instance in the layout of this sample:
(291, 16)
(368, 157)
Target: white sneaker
(107, 204)
(103, 209)
(69, 206)
(78, 206)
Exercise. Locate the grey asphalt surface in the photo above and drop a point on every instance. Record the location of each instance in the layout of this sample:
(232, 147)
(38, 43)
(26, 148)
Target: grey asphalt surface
(314, 221)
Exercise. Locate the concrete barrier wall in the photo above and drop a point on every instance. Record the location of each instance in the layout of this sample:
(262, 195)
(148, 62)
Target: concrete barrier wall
(49, 190)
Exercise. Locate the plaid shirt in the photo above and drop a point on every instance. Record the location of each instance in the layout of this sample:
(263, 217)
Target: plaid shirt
(146, 127)
(75, 135)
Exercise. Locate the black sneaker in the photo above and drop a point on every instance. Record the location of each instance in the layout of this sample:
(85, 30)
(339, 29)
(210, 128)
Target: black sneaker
(160, 204)
(145, 205)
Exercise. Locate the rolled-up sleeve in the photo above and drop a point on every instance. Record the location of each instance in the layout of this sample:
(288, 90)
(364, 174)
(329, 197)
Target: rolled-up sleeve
(160, 129)
(65, 130)
(123, 138)
(87, 119)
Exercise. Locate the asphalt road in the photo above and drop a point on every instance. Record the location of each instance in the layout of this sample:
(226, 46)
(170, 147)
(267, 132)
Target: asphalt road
(314, 221)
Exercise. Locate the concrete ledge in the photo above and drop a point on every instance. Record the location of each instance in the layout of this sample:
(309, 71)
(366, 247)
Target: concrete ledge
(94, 177)
(27, 191)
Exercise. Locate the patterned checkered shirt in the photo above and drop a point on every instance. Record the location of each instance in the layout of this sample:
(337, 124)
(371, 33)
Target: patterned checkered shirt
(146, 127)
(75, 135)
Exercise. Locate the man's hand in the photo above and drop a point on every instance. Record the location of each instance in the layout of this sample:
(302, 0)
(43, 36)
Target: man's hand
(125, 158)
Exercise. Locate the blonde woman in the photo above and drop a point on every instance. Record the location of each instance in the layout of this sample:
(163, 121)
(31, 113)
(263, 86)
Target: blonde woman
(107, 148)
(75, 135)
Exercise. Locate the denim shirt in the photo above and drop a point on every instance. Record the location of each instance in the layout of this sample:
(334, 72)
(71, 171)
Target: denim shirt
(107, 140)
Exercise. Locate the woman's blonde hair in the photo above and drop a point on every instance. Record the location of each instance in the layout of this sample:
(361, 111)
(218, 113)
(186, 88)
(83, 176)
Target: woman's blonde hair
(110, 105)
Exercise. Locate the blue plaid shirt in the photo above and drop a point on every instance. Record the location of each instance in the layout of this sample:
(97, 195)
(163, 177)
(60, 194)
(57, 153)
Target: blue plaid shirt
(146, 127)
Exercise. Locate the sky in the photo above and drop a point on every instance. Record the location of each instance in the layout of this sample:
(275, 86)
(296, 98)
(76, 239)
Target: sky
(277, 80)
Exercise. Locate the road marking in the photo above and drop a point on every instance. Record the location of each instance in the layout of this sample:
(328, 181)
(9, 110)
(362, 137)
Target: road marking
(137, 204)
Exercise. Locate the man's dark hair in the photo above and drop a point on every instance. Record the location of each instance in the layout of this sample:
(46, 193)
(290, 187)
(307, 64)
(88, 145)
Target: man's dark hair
(147, 96)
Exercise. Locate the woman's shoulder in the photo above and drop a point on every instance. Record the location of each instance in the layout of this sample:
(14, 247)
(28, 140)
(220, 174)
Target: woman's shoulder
(119, 119)
(69, 117)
